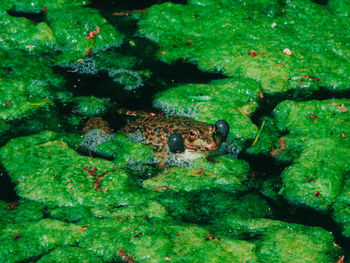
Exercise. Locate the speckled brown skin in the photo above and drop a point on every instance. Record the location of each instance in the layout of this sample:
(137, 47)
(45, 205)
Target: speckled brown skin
(156, 131)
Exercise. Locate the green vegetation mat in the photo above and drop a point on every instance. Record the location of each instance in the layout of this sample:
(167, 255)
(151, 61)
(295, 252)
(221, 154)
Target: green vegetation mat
(74, 188)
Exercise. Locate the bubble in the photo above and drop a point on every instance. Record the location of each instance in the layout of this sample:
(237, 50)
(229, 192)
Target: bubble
(137, 137)
(86, 66)
(167, 108)
(130, 79)
(93, 138)
(230, 148)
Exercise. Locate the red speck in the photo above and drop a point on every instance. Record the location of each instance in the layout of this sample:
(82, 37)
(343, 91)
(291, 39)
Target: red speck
(337, 246)
(201, 171)
(313, 117)
(17, 236)
(8, 103)
(219, 239)
(283, 147)
(310, 180)
(82, 228)
(88, 52)
(317, 193)
(343, 134)
(160, 114)
(163, 53)
(341, 260)
(152, 115)
(260, 95)
(11, 206)
(192, 226)
(92, 171)
(121, 252)
(45, 8)
(178, 234)
(253, 53)
(93, 33)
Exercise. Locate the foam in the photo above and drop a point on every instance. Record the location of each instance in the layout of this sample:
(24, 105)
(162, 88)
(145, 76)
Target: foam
(167, 108)
(85, 67)
(123, 76)
(93, 138)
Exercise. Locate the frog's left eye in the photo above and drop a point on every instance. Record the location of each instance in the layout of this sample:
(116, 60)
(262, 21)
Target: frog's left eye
(192, 135)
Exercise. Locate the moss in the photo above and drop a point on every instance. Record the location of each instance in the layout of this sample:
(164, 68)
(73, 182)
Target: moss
(40, 6)
(341, 207)
(30, 239)
(59, 176)
(278, 241)
(70, 254)
(225, 175)
(75, 41)
(17, 212)
(25, 35)
(90, 106)
(300, 46)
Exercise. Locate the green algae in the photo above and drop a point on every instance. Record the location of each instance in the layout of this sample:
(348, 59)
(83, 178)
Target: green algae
(341, 211)
(75, 41)
(40, 6)
(90, 106)
(70, 254)
(277, 241)
(31, 239)
(228, 174)
(312, 136)
(17, 212)
(25, 35)
(129, 215)
(291, 47)
(59, 176)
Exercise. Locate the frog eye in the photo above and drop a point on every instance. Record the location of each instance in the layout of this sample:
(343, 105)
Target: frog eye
(176, 143)
(192, 135)
(222, 128)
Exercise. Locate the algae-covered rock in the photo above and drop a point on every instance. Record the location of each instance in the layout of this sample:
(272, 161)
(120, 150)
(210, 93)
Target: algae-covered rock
(70, 254)
(27, 240)
(340, 7)
(229, 99)
(81, 33)
(25, 35)
(278, 241)
(59, 176)
(206, 206)
(16, 212)
(316, 178)
(297, 45)
(40, 6)
(312, 136)
(90, 106)
(227, 174)
(341, 207)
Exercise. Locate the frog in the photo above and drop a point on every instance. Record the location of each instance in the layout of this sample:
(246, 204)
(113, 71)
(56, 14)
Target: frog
(187, 138)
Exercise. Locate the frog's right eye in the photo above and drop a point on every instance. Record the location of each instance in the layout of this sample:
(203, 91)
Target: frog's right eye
(176, 143)
(192, 135)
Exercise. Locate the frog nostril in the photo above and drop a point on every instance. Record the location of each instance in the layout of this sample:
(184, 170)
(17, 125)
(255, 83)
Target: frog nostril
(176, 143)
(222, 128)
